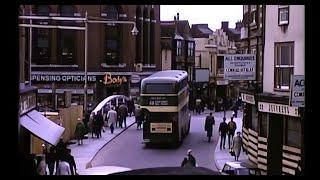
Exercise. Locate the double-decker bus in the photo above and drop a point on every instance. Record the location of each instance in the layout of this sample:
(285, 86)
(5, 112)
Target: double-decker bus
(164, 98)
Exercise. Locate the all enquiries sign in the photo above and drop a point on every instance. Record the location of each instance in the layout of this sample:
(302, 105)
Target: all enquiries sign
(297, 91)
(240, 66)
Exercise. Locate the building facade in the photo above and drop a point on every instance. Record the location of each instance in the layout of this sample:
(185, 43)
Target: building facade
(178, 48)
(117, 60)
(275, 127)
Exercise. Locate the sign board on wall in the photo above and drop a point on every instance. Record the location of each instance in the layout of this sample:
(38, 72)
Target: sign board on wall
(62, 78)
(278, 109)
(248, 98)
(202, 75)
(297, 91)
(240, 66)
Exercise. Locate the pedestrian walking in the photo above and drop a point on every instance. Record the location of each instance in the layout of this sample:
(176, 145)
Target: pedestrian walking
(63, 168)
(223, 129)
(198, 106)
(112, 118)
(237, 145)
(232, 126)
(139, 117)
(123, 112)
(70, 160)
(51, 160)
(42, 165)
(80, 131)
(209, 123)
(191, 158)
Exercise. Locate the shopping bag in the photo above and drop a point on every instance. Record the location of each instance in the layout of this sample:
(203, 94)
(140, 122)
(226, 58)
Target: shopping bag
(232, 152)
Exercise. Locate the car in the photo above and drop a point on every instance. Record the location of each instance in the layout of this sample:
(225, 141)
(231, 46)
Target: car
(240, 168)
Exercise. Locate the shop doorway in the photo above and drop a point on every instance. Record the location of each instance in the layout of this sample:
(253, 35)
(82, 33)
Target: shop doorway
(275, 142)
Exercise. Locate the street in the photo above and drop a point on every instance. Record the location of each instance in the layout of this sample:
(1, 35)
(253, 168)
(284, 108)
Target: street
(128, 150)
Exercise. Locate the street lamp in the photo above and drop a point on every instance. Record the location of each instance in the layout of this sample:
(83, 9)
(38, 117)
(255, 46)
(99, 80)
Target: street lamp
(134, 30)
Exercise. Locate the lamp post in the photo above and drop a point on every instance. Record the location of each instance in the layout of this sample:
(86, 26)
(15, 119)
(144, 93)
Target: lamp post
(85, 63)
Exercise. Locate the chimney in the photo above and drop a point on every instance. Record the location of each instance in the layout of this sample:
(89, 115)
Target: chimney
(238, 25)
(177, 16)
(225, 25)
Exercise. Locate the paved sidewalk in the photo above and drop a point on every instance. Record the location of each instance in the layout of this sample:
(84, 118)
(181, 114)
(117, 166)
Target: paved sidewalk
(84, 153)
(223, 156)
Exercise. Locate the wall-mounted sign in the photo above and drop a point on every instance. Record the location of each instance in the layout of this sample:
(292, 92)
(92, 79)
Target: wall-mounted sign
(27, 102)
(297, 90)
(278, 109)
(135, 78)
(62, 78)
(248, 98)
(109, 79)
(222, 82)
(240, 66)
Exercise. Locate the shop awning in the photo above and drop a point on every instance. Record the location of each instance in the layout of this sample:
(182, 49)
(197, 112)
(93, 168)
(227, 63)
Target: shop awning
(42, 127)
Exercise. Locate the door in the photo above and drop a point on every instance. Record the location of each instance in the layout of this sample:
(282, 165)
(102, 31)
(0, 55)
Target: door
(275, 142)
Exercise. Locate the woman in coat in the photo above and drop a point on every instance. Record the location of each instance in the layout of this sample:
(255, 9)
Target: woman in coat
(237, 144)
(80, 131)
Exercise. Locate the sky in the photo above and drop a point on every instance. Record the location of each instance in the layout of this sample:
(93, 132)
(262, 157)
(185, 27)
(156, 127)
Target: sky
(203, 14)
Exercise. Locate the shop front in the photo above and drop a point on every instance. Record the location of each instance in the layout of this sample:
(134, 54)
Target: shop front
(280, 124)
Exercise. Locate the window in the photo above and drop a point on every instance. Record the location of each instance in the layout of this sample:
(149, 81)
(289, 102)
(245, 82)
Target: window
(220, 64)
(245, 8)
(41, 50)
(253, 8)
(283, 65)
(283, 15)
(179, 48)
(160, 88)
(293, 134)
(112, 36)
(166, 54)
(254, 122)
(264, 125)
(253, 50)
(190, 49)
(67, 37)
(253, 17)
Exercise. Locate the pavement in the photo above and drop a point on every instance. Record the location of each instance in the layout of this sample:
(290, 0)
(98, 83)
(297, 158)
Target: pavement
(84, 153)
(223, 156)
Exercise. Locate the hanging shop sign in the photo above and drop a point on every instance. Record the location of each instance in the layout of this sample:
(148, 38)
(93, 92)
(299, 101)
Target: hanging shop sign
(278, 109)
(248, 98)
(297, 91)
(240, 66)
(135, 78)
(110, 79)
(27, 102)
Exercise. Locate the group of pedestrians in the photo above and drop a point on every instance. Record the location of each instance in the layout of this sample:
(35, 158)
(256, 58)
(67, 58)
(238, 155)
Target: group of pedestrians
(58, 161)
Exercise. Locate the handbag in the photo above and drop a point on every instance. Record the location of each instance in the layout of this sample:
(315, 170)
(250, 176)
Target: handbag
(232, 153)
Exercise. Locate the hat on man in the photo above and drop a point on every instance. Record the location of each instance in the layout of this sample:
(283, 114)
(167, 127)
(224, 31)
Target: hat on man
(189, 151)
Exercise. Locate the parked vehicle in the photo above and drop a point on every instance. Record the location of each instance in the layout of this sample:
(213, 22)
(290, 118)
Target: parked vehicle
(239, 168)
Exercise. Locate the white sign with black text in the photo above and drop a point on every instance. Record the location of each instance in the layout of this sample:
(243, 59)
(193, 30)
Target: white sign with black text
(278, 109)
(297, 91)
(240, 66)
(248, 98)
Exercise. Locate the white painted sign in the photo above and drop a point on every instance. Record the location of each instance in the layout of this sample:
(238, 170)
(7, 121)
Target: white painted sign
(240, 66)
(222, 82)
(161, 127)
(278, 109)
(297, 91)
(248, 98)
(135, 78)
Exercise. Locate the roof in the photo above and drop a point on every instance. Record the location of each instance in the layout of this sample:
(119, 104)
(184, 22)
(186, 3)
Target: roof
(201, 31)
(183, 29)
(166, 76)
(170, 171)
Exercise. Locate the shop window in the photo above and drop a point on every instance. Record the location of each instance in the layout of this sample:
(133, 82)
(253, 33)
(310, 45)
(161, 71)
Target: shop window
(254, 122)
(264, 118)
(293, 132)
(284, 57)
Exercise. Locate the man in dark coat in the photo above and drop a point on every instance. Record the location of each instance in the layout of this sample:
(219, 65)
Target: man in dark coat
(191, 158)
(70, 159)
(123, 112)
(209, 126)
(139, 117)
(223, 129)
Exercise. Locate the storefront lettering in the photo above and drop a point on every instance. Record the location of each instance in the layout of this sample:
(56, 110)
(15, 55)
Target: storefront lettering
(108, 79)
(27, 102)
(61, 78)
(278, 109)
(247, 98)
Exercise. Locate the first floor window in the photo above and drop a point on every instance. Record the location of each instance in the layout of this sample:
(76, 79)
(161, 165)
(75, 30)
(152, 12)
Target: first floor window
(179, 48)
(283, 15)
(284, 62)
